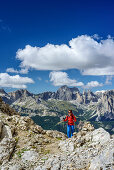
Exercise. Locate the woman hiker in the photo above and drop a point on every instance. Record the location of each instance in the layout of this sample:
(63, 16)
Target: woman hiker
(70, 126)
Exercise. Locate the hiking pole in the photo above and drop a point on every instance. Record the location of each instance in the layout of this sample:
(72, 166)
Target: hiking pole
(62, 122)
(59, 123)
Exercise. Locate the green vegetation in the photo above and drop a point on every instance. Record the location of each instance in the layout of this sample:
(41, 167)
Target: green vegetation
(16, 139)
(46, 152)
(34, 147)
(61, 107)
(58, 138)
(19, 153)
(47, 122)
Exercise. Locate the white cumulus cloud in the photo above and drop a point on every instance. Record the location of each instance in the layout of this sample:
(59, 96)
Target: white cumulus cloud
(22, 71)
(93, 84)
(11, 70)
(85, 53)
(14, 81)
(59, 78)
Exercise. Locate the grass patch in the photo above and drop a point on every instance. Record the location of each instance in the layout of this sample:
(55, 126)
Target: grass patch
(46, 152)
(59, 138)
(19, 153)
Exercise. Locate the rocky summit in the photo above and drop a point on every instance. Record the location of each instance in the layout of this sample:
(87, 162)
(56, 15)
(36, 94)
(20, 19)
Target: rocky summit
(26, 146)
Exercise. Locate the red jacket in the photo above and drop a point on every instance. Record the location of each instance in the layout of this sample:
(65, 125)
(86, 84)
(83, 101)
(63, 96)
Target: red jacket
(71, 119)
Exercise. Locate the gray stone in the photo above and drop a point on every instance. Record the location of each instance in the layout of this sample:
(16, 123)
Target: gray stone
(6, 149)
(100, 136)
(30, 156)
(67, 145)
(6, 132)
(55, 134)
(105, 159)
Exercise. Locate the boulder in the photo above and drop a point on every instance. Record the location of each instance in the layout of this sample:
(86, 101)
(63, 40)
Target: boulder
(30, 156)
(105, 159)
(67, 145)
(53, 163)
(37, 129)
(6, 132)
(55, 134)
(6, 149)
(11, 167)
(100, 136)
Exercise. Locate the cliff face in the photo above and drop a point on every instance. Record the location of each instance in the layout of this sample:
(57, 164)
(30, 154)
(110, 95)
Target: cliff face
(6, 109)
(106, 105)
(86, 97)
(25, 145)
(65, 93)
(108, 101)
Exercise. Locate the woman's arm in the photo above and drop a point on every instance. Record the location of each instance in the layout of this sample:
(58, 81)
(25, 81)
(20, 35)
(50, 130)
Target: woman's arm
(74, 118)
(65, 119)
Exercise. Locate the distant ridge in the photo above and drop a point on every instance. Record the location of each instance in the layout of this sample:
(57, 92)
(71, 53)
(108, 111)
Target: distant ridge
(100, 104)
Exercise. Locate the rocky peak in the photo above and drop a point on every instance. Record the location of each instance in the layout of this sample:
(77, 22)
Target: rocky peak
(99, 93)
(74, 90)
(90, 93)
(6, 98)
(47, 95)
(2, 91)
(19, 93)
(108, 102)
(89, 96)
(65, 88)
(79, 97)
(66, 93)
(107, 94)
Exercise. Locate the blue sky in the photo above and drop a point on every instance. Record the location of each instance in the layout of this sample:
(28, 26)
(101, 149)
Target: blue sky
(79, 51)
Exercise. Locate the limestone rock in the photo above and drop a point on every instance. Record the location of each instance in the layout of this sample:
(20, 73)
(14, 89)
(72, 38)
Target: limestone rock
(37, 129)
(105, 108)
(6, 149)
(29, 156)
(105, 159)
(55, 134)
(100, 136)
(67, 145)
(6, 132)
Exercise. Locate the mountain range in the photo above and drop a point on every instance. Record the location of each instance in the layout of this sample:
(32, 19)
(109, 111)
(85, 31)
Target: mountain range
(97, 107)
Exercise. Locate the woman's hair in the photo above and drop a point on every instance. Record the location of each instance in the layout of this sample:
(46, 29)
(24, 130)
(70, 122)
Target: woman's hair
(70, 111)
